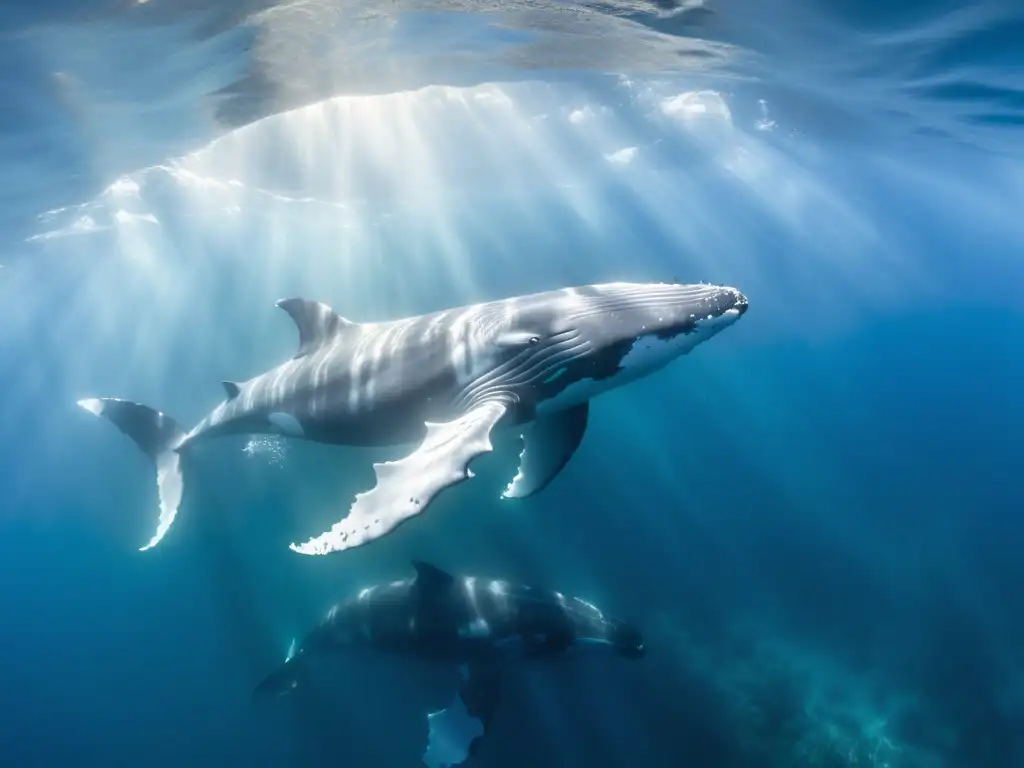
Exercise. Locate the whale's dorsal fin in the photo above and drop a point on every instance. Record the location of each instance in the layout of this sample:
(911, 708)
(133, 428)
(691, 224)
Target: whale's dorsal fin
(317, 323)
(232, 389)
(430, 577)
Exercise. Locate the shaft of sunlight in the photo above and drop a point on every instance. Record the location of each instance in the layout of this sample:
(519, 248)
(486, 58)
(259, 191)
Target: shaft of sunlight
(396, 204)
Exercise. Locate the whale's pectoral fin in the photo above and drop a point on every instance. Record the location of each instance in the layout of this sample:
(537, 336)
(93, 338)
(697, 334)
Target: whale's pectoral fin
(407, 487)
(456, 731)
(548, 444)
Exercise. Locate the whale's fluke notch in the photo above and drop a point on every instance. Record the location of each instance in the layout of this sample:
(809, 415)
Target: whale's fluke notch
(317, 323)
(406, 487)
(158, 436)
(231, 389)
(548, 444)
(430, 578)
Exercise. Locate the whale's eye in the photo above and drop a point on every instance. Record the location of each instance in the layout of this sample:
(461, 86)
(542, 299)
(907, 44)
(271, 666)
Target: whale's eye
(517, 339)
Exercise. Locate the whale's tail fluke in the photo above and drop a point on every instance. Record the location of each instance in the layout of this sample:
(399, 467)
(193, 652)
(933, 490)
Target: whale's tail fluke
(159, 437)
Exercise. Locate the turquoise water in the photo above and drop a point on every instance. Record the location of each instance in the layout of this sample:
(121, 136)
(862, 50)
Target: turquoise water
(814, 517)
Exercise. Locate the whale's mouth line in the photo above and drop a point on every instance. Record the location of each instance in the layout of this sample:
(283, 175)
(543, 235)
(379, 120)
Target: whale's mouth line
(729, 316)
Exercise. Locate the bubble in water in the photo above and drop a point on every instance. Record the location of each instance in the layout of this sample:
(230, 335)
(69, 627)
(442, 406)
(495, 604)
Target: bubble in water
(268, 448)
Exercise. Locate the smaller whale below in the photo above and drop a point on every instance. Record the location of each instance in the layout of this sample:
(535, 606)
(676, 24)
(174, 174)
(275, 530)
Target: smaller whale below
(443, 382)
(484, 627)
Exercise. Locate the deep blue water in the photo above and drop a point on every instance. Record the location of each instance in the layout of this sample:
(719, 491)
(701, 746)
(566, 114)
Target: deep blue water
(815, 517)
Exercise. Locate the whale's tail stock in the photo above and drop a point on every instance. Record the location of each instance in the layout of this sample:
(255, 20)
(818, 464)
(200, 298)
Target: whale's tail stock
(159, 437)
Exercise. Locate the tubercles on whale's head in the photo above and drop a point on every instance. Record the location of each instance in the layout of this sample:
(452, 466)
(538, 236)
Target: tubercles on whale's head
(653, 323)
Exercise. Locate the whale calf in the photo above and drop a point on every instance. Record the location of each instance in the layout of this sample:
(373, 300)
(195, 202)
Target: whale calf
(444, 381)
(484, 626)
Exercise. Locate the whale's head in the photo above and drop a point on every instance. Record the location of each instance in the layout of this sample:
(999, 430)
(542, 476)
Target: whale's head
(584, 341)
(627, 640)
(593, 627)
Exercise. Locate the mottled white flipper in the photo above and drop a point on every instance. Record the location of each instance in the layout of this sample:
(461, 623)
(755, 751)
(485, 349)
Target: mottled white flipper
(454, 732)
(406, 487)
(548, 444)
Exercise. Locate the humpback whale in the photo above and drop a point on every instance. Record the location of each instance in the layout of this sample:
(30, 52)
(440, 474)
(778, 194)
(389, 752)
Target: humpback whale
(483, 626)
(444, 381)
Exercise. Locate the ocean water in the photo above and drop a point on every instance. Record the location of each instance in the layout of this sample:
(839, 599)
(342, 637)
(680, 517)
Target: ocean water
(815, 517)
